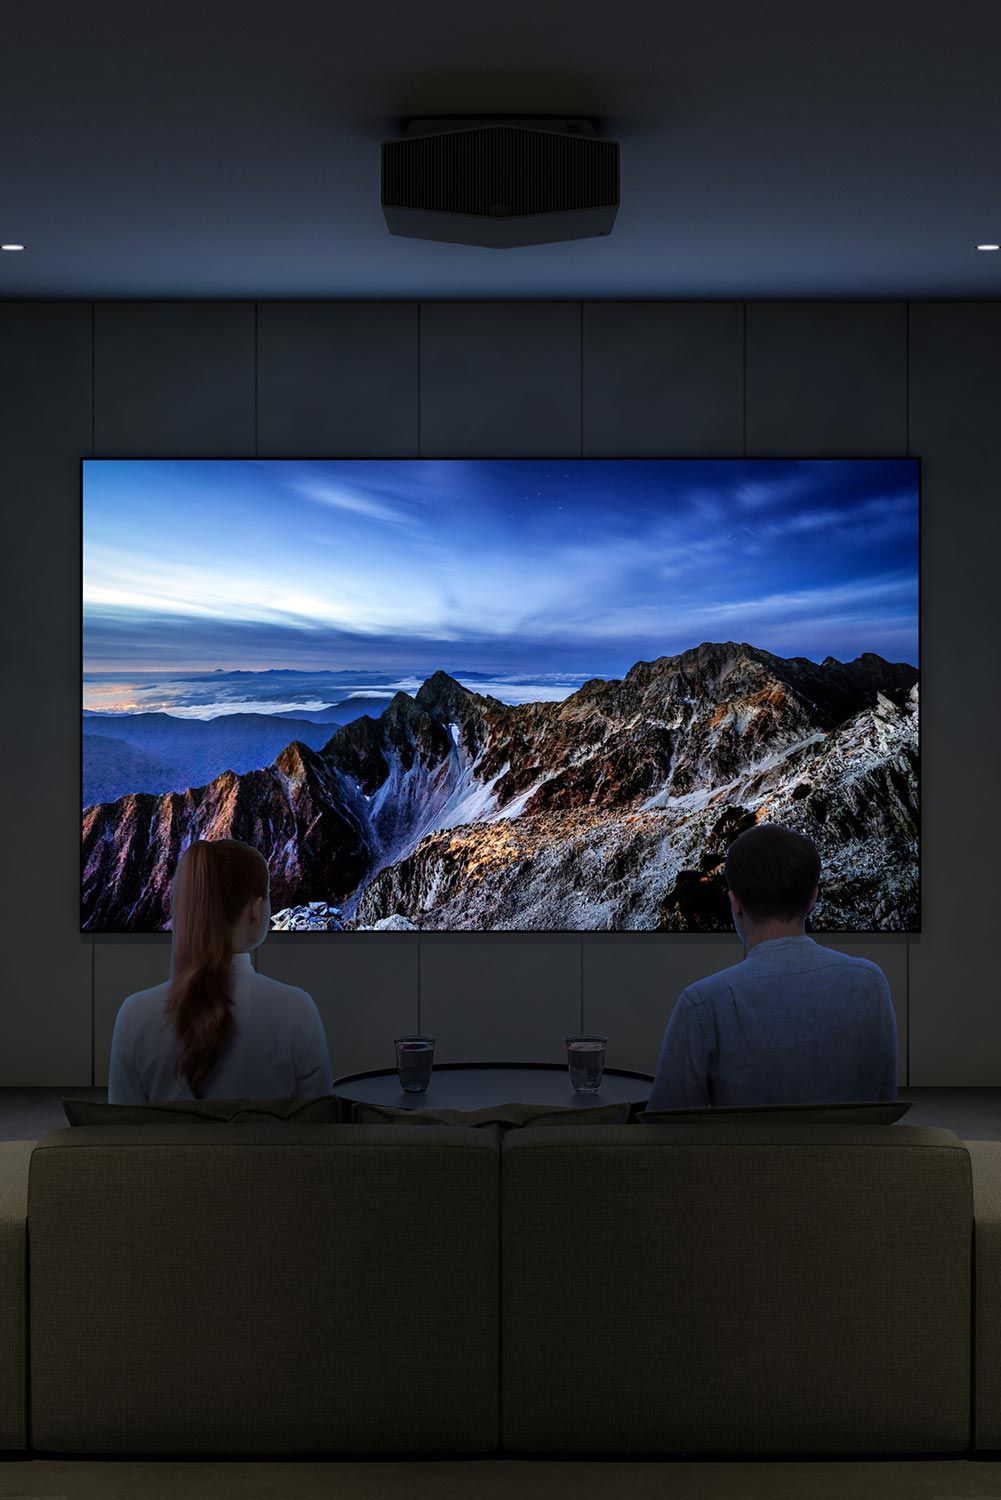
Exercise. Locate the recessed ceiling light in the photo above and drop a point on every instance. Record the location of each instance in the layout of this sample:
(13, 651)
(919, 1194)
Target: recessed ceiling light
(11, 247)
(989, 247)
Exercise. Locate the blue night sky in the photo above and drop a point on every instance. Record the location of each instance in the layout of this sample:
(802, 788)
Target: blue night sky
(501, 566)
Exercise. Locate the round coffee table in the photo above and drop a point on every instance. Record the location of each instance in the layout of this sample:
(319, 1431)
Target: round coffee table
(476, 1085)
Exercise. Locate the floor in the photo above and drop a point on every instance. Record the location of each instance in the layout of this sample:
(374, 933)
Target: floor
(974, 1113)
(501, 1479)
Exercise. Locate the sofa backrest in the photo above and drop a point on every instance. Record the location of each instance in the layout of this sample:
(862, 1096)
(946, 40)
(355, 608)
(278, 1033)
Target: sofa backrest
(683, 1288)
(265, 1289)
(719, 1288)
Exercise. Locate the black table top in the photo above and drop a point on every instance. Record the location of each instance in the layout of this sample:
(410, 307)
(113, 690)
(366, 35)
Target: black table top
(477, 1085)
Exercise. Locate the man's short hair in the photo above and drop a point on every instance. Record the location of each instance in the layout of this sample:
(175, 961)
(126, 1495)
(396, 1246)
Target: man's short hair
(772, 871)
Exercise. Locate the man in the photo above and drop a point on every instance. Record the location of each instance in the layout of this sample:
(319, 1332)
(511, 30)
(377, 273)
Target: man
(794, 1023)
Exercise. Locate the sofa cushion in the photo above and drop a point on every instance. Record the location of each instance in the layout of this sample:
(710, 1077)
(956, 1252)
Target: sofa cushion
(507, 1116)
(861, 1112)
(727, 1289)
(264, 1289)
(328, 1110)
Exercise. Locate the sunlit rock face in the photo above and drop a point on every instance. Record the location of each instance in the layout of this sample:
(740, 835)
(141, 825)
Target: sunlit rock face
(611, 809)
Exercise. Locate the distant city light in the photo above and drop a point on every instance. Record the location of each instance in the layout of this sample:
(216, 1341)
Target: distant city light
(11, 247)
(989, 247)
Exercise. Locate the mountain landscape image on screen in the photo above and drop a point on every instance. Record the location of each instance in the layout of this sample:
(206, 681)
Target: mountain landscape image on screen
(500, 694)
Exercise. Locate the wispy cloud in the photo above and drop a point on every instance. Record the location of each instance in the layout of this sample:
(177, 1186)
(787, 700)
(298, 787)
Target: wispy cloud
(768, 492)
(339, 497)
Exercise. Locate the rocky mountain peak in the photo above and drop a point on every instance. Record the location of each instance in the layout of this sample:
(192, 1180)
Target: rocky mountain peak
(446, 701)
(708, 660)
(444, 698)
(405, 727)
(402, 710)
(440, 682)
(718, 653)
(292, 761)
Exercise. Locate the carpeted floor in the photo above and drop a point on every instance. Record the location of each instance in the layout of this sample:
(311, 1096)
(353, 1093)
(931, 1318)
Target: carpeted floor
(502, 1479)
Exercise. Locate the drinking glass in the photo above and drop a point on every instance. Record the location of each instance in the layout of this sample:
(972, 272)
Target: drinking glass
(414, 1060)
(586, 1061)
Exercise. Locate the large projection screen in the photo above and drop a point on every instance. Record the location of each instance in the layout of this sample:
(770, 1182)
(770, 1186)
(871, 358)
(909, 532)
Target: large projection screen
(500, 694)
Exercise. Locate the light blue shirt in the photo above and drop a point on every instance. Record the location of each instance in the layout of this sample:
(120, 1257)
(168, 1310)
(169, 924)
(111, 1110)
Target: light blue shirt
(795, 1023)
(276, 1047)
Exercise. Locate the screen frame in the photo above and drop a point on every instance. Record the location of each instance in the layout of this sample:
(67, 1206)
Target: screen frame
(520, 932)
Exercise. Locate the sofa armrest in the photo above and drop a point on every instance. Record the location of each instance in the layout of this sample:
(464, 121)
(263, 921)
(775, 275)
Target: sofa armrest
(985, 1158)
(15, 1157)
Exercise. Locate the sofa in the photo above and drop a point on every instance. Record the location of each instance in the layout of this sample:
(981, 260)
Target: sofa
(702, 1288)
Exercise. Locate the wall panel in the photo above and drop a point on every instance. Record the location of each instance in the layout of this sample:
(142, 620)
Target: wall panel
(174, 379)
(500, 379)
(171, 378)
(45, 428)
(632, 981)
(337, 378)
(827, 379)
(341, 378)
(663, 379)
(500, 997)
(955, 398)
(660, 379)
(365, 989)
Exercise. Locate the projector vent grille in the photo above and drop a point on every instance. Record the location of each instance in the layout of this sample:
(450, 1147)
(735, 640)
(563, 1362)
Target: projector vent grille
(500, 172)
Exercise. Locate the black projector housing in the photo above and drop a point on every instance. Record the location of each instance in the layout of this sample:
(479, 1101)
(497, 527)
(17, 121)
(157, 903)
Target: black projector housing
(500, 182)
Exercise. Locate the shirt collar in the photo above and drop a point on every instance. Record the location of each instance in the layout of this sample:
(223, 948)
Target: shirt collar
(241, 961)
(772, 945)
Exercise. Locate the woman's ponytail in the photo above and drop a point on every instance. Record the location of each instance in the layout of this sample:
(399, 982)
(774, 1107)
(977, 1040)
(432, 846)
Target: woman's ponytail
(213, 883)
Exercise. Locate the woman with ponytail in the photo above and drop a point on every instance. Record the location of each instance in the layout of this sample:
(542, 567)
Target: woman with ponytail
(218, 1029)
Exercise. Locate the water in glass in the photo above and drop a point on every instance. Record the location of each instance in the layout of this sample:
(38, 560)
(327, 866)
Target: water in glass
(414, 1060)
(586, 1060)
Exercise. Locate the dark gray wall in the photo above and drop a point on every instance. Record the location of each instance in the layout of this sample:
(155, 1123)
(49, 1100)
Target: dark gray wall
(505, 378)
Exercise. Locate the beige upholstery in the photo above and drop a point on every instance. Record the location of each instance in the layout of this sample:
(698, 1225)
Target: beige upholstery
(720, 1289)
(14, 1159)
(985, 1157)
(266, 1289)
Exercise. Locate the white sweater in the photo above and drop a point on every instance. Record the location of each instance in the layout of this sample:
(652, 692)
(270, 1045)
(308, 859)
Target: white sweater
(276, 1047)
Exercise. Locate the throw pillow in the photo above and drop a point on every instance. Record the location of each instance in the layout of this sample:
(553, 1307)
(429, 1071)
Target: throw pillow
(508, 1116)
(327, 1110)
(862, 1112)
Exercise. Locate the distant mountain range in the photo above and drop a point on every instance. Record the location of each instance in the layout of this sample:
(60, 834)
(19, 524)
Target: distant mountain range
(159, 752)
(611, 809)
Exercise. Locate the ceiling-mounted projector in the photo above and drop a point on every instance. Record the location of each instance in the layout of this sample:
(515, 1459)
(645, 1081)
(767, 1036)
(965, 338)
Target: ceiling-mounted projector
(500, 182)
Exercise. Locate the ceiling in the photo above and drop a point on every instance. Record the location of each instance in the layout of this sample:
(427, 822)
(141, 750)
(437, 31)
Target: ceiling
(783, 148)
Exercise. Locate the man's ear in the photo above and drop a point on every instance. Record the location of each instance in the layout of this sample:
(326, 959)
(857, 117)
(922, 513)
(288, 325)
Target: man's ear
(734, 904)
(813, 899)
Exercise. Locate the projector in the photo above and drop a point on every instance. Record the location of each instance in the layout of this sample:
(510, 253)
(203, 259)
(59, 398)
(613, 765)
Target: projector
(500, 182)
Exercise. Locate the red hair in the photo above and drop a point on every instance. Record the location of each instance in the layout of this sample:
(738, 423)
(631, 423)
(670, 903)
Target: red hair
(213, 883)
